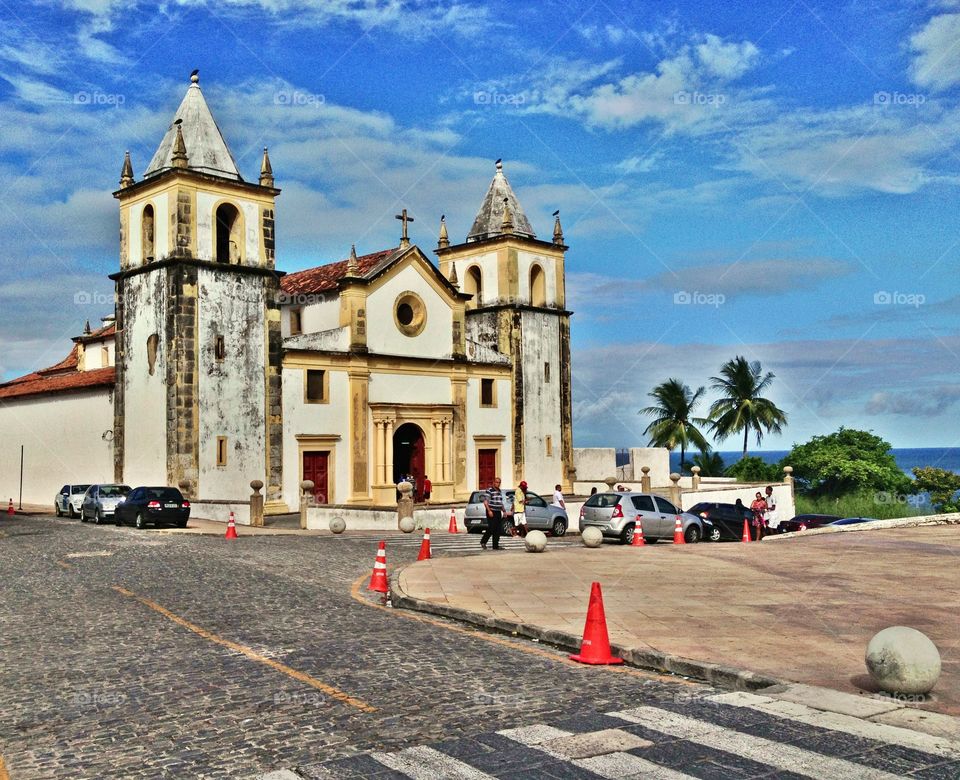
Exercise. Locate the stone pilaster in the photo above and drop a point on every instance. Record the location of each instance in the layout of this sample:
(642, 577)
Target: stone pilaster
(566, 406)
(183, 435)
(359, 413)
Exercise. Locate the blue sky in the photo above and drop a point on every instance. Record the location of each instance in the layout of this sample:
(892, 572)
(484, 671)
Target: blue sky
(778, 181)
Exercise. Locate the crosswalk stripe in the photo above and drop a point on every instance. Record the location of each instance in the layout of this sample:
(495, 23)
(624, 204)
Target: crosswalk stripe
(847, 724)
(424, 763)
(609, 765)
(782, 756)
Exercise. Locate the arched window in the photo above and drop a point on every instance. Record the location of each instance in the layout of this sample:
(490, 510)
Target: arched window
(229, 235)
(146, 234)
(538, 286)
(473, 284)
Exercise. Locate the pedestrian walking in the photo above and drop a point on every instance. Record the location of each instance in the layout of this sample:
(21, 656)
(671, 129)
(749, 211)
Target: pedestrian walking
(520, 511)
(493, 501)
(558, 497)
(758, 507)
(427, 487)
(770, 516)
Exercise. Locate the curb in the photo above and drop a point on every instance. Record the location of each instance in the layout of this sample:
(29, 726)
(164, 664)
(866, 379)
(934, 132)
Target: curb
(875, 525)
(716, 674)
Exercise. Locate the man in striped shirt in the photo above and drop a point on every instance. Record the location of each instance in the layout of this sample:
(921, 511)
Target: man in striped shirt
(493, 501)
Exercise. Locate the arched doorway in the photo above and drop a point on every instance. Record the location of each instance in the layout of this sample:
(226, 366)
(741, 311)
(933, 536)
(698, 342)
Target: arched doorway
(409, 456)
(229, 234)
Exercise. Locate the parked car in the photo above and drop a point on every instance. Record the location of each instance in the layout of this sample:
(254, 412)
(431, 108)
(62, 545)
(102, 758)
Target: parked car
(100, 501)
(853, 520)
(615, 514)
(726, 519)
(68, 500)
(541, 516)
(803, 522)
(145, 506)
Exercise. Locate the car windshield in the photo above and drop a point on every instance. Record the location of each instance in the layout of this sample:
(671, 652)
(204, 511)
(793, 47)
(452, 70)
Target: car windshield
(164, 494)
(604, 500)
(79, 489)
(113, 491)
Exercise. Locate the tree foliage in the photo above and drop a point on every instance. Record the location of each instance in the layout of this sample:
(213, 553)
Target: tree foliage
(674, 423)
(741, 407)
(755, 469)
(846, 462)
(941, 484)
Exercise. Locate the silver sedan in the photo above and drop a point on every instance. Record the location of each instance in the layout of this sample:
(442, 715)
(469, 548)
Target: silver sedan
(100, 502)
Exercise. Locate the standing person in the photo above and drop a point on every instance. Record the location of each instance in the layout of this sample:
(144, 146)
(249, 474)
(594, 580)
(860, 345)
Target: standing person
(493, 501)
(758, 507)
(520, 510)
(427, 487)
(770, 517)
(558, 497)
(593, 490)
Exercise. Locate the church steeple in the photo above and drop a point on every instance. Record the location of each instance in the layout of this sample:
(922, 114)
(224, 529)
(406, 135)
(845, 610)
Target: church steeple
(499, 199)
(444, 239)
(126, 173)
(557, 230)
(266, 170)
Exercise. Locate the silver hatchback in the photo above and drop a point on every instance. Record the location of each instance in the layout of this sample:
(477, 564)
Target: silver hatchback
(615, 514)
(100, 502)
(541, 516)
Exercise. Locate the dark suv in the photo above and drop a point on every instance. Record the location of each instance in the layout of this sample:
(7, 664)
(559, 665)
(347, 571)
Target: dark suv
(727, 520)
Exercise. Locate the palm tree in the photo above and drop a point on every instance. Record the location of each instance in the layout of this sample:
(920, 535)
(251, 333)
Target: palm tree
(710, 463)
(741, 407)
(673, 420)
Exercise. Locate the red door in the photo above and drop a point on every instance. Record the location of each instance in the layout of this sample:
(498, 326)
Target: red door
(487, 467)
(315, 469)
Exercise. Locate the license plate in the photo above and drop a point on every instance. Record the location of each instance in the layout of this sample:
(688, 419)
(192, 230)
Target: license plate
(172, 506)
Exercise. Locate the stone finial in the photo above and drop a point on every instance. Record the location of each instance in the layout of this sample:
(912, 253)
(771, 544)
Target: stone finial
(557, 230)
(195, 76)
(453, 276)
(179, 157)
(266, 170)
(499, 164)
(353, 267)
(444, 240)
(507, 225)
(696, 477)
(256, 485)
(86, 329)
(126, 173)
(645, 479)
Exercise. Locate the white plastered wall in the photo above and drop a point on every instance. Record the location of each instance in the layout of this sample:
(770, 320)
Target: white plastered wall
(487, 261)
(315, 315)
(383, 335)
(62, 438)
(489, 421)
(206, 220)
(525, 262)
(541, 402)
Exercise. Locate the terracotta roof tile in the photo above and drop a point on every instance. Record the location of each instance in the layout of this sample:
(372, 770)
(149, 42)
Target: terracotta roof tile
(41, 383)
(69, 363)
(326, 277)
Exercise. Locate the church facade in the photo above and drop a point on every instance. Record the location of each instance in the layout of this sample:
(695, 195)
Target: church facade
(216, 369)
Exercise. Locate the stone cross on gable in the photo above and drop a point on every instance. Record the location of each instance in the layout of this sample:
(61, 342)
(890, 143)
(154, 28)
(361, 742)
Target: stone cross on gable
(404, 237)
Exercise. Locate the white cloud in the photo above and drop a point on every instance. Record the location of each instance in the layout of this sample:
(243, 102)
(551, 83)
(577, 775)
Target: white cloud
(936, 47)
(727, 61)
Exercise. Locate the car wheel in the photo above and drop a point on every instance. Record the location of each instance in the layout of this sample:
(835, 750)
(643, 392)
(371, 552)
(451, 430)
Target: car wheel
(56, 508)
(626, 535)
(507, 528)
(116, 519)
(714, 534)
(141, 521)
(71, 512)
(692, 536)
(182, 524)
(559, 527)
(97, 518)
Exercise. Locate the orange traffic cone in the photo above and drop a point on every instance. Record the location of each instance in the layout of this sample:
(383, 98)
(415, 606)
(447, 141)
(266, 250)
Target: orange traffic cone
(678, 532)
(595, 647)
(746, 531)
(452, 528)
(425, 546)
(638, 540)
(231, 528)
(378, 580)
(9, 507)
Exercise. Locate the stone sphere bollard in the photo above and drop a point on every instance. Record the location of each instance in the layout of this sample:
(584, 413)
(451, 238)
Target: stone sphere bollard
(407, 525)
(903, 660)
(338, 525)
(535, 541)
(591, 536)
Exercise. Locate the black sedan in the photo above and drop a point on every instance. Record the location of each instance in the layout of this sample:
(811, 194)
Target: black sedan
(145, 506)
(803, 522)
(726, 521)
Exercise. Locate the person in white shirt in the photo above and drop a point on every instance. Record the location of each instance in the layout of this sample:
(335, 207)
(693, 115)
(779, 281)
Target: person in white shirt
(558, 498)
(770, 515)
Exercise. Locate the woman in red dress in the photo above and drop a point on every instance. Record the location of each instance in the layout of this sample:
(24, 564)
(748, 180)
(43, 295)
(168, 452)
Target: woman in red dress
(758, 507)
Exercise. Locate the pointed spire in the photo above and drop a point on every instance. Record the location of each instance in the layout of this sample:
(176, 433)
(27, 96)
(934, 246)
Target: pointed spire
(126, 174)
(490, 218)
(557, 230)
(179, 157)
(266, 170)
(86, 329)
(506, 226)
(453, 276)
(353, 268)
(444, 240)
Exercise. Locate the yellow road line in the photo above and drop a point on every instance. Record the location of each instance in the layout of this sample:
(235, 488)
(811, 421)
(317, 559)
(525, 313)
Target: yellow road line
(502, 641)
(4, 774)
(250, 653)
(62, 565)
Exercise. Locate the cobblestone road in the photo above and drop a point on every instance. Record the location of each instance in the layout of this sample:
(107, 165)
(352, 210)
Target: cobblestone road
(131, 654)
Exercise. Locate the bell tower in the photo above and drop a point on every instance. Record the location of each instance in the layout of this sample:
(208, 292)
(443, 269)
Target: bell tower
(197, 400)
(519, 308)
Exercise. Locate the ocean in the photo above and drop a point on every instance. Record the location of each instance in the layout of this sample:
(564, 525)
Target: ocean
(940, 457)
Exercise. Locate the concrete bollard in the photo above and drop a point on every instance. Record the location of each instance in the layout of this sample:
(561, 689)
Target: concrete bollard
(645, 479)
(256, 504)
(788, 477)
(675, 490)
(696, 477)
(902, 660)
(535, 541)
(405, 505)
(306, 499)
(338, 525)
(591, 536)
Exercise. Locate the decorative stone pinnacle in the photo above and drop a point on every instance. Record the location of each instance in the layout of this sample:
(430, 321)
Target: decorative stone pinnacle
(266, 170)
(507, 225)
(557, 230)
(353, 268)
(179, 157)
(126, 173)
(195, 76)
(444, 239)
(453, 276)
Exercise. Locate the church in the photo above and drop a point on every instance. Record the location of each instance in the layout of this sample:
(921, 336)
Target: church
(216, 369)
